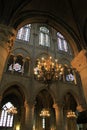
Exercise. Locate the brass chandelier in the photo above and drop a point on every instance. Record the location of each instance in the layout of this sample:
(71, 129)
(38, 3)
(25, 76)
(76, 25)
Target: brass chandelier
(12, 110)
(71, 114)
(45, 113)
(48, 70)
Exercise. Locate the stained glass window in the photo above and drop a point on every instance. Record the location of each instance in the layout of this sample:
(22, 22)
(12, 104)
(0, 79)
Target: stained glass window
(43, 123)
(62, 43)
(16, 67)
(24, 33)
(44, 39)
(6, 119)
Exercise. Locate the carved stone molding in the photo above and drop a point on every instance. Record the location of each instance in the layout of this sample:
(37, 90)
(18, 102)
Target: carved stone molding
(7, 36)
(58, 105)
(29, 103)
(81, 108)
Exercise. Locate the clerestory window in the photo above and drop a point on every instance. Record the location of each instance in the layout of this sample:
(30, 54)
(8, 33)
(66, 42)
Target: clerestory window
(24, 33)
(44, 38)
(62, 43)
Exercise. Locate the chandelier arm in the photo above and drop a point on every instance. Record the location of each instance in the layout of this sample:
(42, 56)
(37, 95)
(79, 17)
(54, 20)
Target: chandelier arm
(48, 71)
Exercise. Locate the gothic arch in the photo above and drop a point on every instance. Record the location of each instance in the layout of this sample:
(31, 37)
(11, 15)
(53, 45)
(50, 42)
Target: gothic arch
(24, 52)
(21, 88)
(74, 94)
(49, 91)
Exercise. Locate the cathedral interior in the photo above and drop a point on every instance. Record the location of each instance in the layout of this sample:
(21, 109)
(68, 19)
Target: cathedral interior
(43, 61)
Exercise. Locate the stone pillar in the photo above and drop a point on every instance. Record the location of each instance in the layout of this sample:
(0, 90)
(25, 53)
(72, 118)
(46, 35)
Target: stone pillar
(71, 121)
(23, 66)
(29, 115)
(29, 68)
(14, 59)
(22, 118)
(0, 104)
(59, 116)
(80, 63)
(7, 37)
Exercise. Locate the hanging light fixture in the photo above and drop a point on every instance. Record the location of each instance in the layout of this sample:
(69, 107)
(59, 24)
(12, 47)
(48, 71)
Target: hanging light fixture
(71, 114)
(48, 70)
(12, 110)
(45, 113)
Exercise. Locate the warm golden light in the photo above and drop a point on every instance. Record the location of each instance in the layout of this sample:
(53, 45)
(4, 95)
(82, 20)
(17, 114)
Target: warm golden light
(45, 113)
(48, 70)
(12, 110)
(17, 127)
(71, 114)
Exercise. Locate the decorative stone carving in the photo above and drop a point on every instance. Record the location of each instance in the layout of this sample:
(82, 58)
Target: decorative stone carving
(7, 36)
(58, 105)
(29, 103)
(81, 108)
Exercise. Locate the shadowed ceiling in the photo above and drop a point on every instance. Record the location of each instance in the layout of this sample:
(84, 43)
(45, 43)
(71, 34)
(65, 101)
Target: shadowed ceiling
(71, 14)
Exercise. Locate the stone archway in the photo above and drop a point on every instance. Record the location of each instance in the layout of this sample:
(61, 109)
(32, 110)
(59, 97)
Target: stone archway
(44, 102)
(14, 96)
(70, 106)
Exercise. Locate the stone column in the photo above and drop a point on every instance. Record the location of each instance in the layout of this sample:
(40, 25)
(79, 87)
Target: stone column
(29, 115)
(59, 116)
(29, 68)
(80, 63)
(22, 127)
(0, 104)
(14, 59)
(71, 121)
(23, 66)
(7, 37)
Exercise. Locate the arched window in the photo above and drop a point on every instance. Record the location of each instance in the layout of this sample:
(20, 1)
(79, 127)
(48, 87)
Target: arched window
(62, 43)
(44, 39)
(7, 116)
(24, 33)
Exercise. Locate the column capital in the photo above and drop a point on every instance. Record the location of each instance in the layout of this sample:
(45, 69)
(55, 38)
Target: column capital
(80, 61)
(29, 103)
(58, 105)
(15, 57)
(81, 108)
(23, 60)
(7, 36)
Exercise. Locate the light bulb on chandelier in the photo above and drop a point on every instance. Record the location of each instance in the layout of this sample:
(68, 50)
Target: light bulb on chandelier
(48, 70)
(45, 113)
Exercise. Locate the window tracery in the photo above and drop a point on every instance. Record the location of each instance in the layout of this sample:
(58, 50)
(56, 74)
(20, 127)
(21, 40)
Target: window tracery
(62, 43)
(24, 33)
(6, 119)
(44, 39)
